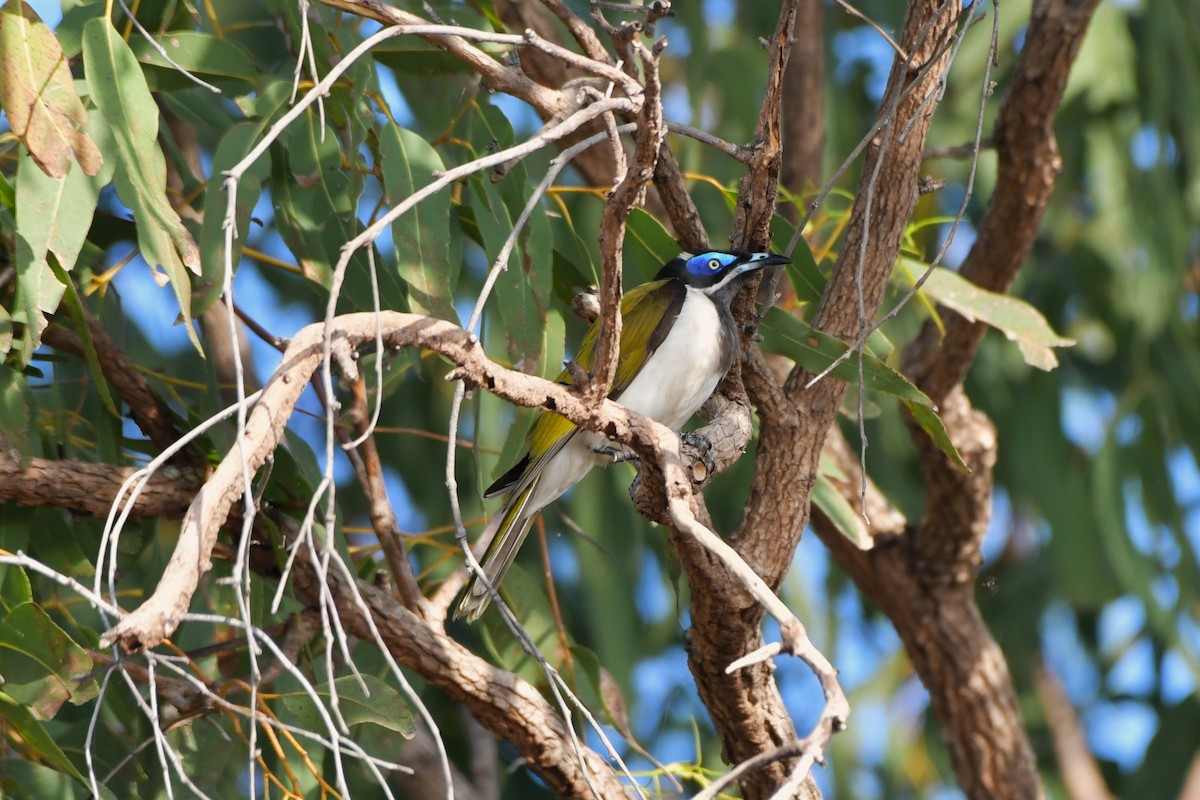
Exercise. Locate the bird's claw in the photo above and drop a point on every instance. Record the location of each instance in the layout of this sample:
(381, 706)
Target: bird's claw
(698, 449)
(619, 455)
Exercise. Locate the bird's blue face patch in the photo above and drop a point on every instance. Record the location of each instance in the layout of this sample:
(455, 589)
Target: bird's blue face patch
(710, 264)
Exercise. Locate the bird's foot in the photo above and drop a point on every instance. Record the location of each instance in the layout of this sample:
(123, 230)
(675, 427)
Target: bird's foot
(698, 450)
(619, 455)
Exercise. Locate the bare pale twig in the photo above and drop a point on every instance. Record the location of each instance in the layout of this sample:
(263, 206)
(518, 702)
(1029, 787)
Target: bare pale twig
(147, 625)
(742, 154)
(759, 187)
(629, 193)
(854, 12)
(579, 29)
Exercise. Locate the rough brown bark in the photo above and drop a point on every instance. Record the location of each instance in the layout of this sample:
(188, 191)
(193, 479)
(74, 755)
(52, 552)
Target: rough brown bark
(1029, 165)
(746, 708)
(922, 580)
(922, 577)
(88, 488)
(671, 203)
(804, 104)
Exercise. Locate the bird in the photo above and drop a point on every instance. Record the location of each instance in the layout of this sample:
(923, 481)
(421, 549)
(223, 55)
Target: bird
(678, 339)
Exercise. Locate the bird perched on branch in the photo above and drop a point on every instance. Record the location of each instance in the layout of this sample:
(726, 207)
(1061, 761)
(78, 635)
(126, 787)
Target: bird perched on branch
(678, 339)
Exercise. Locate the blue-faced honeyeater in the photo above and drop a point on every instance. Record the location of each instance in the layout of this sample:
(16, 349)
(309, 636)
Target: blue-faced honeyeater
(678, 339)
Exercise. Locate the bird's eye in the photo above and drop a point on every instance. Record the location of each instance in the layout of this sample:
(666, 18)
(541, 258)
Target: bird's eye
(714, 264)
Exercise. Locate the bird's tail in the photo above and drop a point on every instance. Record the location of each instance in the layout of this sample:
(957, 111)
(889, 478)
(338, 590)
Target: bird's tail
(511, 526)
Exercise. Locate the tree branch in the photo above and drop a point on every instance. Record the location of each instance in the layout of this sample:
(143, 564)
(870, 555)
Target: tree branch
(1080, 773)
(804, 104)
(1029, 165)
(748, 711)
(88, 488)
(147, 409)
(629, 193)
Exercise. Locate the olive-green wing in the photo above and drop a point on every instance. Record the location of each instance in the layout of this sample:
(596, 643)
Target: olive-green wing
(647, 313)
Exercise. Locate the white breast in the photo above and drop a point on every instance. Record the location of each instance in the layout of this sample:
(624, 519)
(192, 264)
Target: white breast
(670, 388)
(684, 370)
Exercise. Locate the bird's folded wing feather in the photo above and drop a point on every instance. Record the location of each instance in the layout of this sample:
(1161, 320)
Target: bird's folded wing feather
(647, 313)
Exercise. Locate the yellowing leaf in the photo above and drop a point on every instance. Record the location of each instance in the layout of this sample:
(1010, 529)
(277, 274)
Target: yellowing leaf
(38, 94)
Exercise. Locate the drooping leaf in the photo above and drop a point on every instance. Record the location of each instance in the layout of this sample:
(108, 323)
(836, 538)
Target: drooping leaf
(53, 216)
(315, 200)
(75, 307)
(38, 94)
(816, 351)
(35, 737)
(808, 282)
(803, 274)
(827, 498)
(1016, 319)
(42, 663)
(120, 92)
(523, 289)
(574, 267)
(29, 780)
(931, 423)
(420, 236)
(38, 292)
(523, 594)
(554, 336)
(17, 427)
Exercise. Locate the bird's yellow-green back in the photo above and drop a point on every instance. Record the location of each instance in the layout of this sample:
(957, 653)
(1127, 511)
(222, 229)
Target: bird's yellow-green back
(642, 312)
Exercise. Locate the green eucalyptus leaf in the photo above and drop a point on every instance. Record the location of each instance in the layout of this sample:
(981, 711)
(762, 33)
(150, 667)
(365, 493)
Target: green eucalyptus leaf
(206, 56)
(380, 704)
(234, 146)
(35, 737)
(648, 246)
(843, 516)
(42, 664)
(420, 237)
(523, 594)
(1015, 318)
(120, 92)
(816, 351)
(79, 315)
